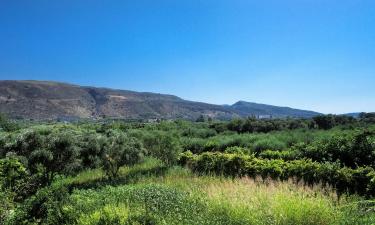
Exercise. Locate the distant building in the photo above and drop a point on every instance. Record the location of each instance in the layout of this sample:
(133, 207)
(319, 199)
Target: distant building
(153, 120)
(264, 116)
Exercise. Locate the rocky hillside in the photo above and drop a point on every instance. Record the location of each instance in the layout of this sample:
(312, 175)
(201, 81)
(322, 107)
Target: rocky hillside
(43, 100)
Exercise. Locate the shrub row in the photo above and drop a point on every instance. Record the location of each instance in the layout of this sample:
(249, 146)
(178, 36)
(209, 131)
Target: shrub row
(360, 180)
(285, 155)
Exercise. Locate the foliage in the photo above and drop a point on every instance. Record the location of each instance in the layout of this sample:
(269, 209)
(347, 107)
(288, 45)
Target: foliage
(45, 207)
(328, 121)
(59, 155)
(12, 174)
(120, 150)
(162, 145)
(284, 155)
(92, 147)
(251, 125)
(6, 124)
(342, 178)
(180, 197)
(39, 163)
(351, 150)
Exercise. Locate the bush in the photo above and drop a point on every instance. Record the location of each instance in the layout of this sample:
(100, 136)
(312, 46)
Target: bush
(198, 132)
(121, 150)
(268, 143)
(358, 180)
(196, 145)
(162, 145)
(285, 155)
(6, 124)
(45, 207)
(60, 155)
(92, 147)
(12, 174)
(24, 142)
(237, 150)
(7, 205)
(350, 150)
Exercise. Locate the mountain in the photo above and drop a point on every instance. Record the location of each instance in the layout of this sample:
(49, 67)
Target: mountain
(354, 114)
(45, 100)
(245, 109)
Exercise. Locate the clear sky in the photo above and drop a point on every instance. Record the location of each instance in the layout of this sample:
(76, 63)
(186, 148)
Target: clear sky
(309, 54)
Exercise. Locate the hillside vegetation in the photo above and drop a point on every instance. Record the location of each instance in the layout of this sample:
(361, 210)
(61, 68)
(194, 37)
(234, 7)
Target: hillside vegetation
(244, 171)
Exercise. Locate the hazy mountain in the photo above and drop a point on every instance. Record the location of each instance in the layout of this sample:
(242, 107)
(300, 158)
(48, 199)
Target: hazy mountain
(52, 100)
(354, 114)
(245, 109)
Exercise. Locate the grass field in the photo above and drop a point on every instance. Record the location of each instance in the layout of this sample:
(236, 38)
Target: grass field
(151, 194)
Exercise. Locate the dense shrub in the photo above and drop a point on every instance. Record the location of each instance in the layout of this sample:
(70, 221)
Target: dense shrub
(251, 125)
(160, 144)
(195, 145)
(121, 150)
(6, 124)
(12, 174)
(45, 207)
(198, 132)
(285, 155)
(238, 150)
(351, 150)
(25, 141)
(7, 205)
(328, 121)
(344, 179)
(92, 149)
(59, 155)
(268, 143)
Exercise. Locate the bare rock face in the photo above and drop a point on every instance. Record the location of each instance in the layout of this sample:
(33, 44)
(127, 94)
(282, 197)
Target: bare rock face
(43, 100)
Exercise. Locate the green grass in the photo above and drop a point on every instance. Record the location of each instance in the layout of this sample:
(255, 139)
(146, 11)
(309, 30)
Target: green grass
(144, 195)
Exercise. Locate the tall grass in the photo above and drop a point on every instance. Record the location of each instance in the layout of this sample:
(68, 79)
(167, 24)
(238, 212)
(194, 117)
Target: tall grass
(256, 142)
(180, 197)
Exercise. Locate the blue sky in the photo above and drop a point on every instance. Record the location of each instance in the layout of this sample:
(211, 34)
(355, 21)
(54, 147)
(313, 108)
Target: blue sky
(309, 54)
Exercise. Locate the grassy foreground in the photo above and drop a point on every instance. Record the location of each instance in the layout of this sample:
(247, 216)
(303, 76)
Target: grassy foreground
(152, 194)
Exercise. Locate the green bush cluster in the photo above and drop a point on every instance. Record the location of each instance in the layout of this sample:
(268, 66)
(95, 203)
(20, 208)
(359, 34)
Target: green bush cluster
(251, 125)
(350, 150)
(284, 155)
(254, 142)
(344, 179)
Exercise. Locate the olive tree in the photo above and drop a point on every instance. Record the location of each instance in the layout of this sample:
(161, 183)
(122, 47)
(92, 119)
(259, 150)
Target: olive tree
(58, 156)
(120, 150)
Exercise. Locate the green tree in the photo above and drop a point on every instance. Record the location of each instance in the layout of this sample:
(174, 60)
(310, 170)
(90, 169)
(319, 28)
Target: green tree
(25, 142)
(324, 121)
(12, 174)
(201, 119)
(165, 147)
(92, 147)
(6, 124)
(236, 125)
(121, 150)
(58, 156)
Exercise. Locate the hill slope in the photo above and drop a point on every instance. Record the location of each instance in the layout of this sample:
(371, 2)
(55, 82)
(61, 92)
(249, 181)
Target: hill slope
(52, 100)
(262, 110)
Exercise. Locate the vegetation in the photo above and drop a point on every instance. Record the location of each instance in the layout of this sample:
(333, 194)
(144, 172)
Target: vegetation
(244, 171)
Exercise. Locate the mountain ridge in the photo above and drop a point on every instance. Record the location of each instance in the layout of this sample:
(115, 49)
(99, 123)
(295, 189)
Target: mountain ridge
(49, 100)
